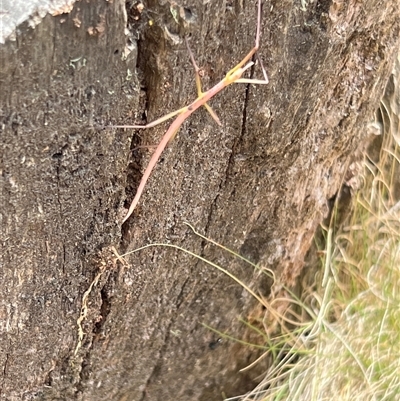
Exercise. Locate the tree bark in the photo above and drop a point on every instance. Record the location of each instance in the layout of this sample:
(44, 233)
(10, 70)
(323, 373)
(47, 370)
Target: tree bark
(259, 184)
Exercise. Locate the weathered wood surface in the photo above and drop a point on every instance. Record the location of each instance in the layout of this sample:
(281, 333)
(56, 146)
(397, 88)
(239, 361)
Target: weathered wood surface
(259, 184)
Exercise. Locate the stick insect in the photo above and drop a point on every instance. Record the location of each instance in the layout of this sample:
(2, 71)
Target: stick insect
(232, 76)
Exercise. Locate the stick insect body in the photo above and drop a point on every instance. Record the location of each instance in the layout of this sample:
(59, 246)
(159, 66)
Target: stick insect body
(233, 76)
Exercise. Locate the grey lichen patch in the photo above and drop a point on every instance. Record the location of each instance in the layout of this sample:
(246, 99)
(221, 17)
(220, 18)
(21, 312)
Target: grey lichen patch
(14, 12)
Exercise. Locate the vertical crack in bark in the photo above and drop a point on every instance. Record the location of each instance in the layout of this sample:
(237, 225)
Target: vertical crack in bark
(106, 264)
(237, 142)
(53, 55)
(230, 163)
(58, 186)
(158, 365)
(135, 23)
(64, 258)
(180, 297)
(105, 308)
(4, 371)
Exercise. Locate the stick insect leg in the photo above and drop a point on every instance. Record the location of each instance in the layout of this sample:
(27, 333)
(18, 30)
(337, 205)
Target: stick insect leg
(198, 83)
(264, 71)
(153, 123)
(256, 46)
(252, 80)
